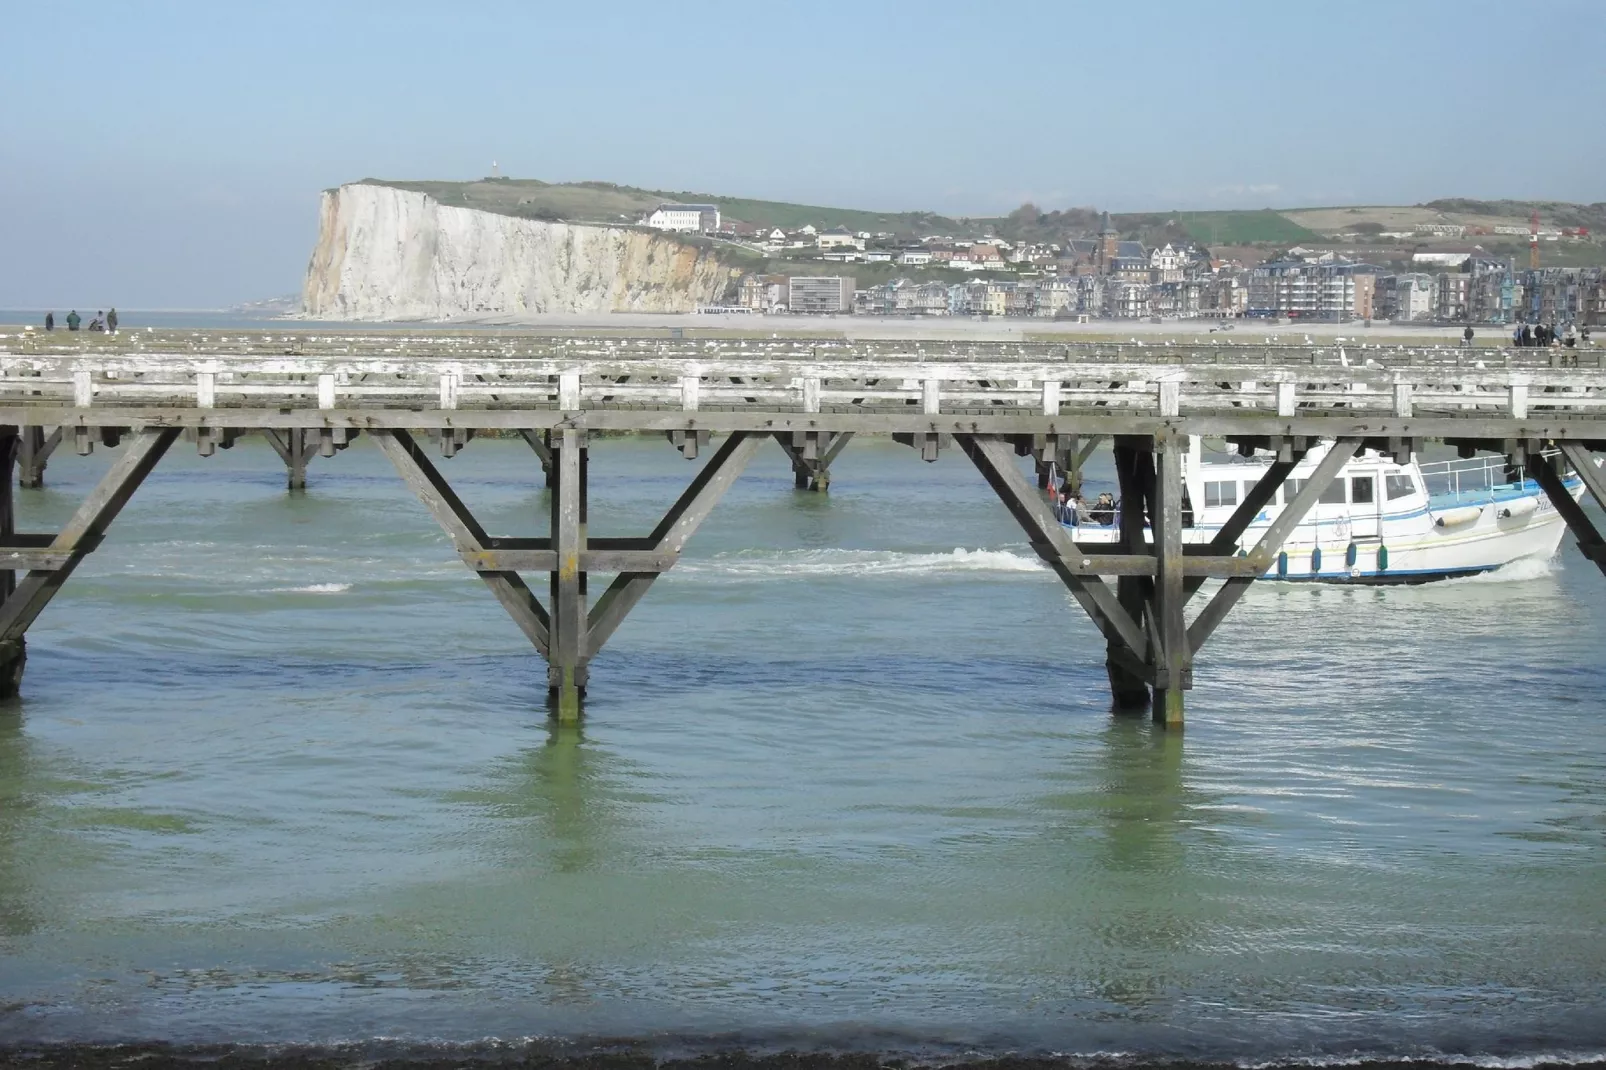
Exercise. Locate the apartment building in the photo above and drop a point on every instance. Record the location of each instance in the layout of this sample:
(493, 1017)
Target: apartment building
(819, 294)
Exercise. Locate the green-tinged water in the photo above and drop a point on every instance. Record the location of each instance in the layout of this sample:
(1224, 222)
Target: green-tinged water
(282, 770)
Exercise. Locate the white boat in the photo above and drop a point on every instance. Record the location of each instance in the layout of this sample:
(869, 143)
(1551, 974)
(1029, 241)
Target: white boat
(1378, 522)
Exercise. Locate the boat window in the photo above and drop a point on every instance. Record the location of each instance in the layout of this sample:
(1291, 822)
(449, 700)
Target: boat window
(1222, 493)
(1291, 489)
(1398, 485)
(1334, 494)
(1362, 490)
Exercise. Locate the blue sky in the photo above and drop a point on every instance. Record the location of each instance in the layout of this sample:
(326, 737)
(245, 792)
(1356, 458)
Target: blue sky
(170, 154)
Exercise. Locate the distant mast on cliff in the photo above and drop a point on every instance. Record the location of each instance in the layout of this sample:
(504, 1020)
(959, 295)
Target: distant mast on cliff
(496, 172)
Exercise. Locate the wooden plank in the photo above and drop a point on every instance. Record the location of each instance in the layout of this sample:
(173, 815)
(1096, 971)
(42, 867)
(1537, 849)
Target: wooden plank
(590, 560)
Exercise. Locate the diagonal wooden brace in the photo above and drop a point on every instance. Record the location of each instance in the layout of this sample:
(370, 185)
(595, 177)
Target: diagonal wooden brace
(465, 532)
(1260, 496)
(83, 530)
(1590, 542)
(994, 458)
(1271, 541)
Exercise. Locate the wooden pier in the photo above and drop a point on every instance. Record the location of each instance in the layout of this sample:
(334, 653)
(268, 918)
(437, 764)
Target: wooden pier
(422, 392)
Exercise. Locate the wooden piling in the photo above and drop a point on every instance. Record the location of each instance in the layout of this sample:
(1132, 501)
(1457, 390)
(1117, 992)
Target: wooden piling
(1173, 661)
(35, 448)
(1129, 691)
(13, 654)
(569, 654)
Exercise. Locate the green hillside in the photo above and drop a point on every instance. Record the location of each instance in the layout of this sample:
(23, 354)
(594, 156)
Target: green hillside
(1243, 228)
(604, 202)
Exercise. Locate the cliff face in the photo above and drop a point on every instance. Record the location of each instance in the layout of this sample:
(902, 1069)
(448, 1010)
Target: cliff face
(389, 254)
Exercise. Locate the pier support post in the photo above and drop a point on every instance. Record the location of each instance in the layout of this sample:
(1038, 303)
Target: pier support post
(1148, 642)
(50, 559)
(1134, 473)
(811, 454)
(569, 656)
(14, 654)
(1173, 668)
(291, 446)
(35, 448)
(570, 634)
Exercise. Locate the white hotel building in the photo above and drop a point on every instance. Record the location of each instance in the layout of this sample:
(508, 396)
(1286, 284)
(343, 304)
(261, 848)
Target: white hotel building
(695, 218)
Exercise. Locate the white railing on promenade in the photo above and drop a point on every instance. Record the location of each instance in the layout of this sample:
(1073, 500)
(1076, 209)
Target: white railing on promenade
(130, 380)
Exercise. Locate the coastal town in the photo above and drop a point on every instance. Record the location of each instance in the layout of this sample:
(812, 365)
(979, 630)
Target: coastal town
(1108, 275)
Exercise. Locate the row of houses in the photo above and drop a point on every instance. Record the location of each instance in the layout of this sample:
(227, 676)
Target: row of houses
(1481, 290)
(1331, 290)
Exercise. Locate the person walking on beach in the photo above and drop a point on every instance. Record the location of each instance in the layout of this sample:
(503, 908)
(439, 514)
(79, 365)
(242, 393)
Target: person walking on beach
(50, 321)
(73, 320)
(111, 321)
(1466, 337)
(1527, 336)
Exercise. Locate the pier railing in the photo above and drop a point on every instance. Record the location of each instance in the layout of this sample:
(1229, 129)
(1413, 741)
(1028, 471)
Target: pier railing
(235, 387)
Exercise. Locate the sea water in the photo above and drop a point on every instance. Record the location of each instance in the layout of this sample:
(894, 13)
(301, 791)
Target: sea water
(282, 772)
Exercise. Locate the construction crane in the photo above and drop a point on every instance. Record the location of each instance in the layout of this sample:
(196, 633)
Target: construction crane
(1533, 241)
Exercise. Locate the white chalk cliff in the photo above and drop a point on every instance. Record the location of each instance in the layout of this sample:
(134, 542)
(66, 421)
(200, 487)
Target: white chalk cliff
(392, 254)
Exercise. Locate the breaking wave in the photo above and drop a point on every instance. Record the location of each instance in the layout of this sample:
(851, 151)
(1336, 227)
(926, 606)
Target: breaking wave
(814, 563)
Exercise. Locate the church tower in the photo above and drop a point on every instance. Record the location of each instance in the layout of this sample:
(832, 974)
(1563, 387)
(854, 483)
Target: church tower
(1109, 244)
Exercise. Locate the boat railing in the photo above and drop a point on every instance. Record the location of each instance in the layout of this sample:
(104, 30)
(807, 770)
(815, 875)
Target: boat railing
(1474, 478)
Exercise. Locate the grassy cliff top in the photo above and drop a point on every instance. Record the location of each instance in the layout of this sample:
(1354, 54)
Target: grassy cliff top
(607, 203)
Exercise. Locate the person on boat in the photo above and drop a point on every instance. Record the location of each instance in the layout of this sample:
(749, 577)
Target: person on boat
(73, 320)
(50, 321)
(1569, 339)
(1466, 336)
(1103, 511)
(111, 321)
(1583, 334)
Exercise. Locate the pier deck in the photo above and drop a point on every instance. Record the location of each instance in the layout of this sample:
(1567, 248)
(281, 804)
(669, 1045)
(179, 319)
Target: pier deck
(312, 392)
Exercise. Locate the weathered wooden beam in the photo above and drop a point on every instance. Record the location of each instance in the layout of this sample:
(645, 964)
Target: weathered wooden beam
(994, 459)
(1547, 425)
(704, 492)
(1588, 472)
(1260, 558)
(537, 441)
(82, 532)
(1259, 496)
(615, 604)
(1590, 542)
